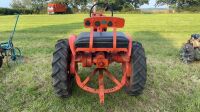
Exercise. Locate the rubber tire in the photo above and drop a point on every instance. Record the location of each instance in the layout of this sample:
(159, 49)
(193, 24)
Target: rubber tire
(62, 80)
(187, 53)
(1, 61)
(138, 77)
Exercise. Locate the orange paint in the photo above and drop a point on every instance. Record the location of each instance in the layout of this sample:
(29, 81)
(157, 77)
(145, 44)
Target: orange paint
(57, 8)
(98, 56)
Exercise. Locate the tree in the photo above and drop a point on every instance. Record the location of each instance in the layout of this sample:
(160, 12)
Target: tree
(35, 5)
(17, 4)
(61, 1)
(137, 3)
(38, 5)
(76, 5)
(179, 3)
(120, 4)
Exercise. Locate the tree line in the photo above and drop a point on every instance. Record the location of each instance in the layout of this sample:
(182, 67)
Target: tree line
(76, 5)
(181, 5)
(40, 6)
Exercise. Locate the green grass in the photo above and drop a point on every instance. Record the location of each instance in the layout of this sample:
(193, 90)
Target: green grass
(171, 85)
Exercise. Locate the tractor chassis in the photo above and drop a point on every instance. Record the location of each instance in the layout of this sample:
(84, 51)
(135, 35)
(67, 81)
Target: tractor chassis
(101, 57)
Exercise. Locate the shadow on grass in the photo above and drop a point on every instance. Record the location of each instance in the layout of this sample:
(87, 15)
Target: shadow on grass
(54, 29)
(45, 32)
(41, 40)
(28, 39)
(155, 44)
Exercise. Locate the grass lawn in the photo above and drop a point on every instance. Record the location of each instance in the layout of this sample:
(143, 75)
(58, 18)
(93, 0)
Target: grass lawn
(171, 85)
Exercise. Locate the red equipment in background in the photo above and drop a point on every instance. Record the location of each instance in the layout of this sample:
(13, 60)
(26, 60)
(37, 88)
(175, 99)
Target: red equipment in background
(56, 8)
(99, 48)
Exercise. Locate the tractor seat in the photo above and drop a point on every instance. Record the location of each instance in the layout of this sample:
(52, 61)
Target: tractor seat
(101, 40)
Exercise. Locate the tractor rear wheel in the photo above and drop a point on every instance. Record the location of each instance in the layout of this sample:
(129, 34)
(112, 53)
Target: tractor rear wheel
(138, 77)
(62, 79)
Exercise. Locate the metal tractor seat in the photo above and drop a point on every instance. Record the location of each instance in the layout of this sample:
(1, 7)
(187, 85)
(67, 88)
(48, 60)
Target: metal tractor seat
(101, 40)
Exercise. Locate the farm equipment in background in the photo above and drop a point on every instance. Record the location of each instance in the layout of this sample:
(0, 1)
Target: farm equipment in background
(99, 49)
(56, 8)
(7, 49)
(191, 50)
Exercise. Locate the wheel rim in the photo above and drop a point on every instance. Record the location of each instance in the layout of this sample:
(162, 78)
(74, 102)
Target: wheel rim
(13, 56)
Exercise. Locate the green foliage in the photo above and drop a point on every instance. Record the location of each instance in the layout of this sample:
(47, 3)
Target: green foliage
(127, 8)
(182, 4)
(190, 9)
(138, 3)
(69, 10)
(16, 4)
(36, 5)
(126, 5)
(61, 1)
(7, 11)
(78, 5)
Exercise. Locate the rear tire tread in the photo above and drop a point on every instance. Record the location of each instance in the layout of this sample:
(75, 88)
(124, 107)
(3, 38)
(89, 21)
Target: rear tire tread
(139, 76)
(62, 80)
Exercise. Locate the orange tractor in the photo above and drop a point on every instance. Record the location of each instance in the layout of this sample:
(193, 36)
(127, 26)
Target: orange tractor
(99, 48)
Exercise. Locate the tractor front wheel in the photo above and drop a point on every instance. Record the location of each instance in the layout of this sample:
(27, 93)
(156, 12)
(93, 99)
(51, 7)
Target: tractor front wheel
(62, 80)
(137, 80)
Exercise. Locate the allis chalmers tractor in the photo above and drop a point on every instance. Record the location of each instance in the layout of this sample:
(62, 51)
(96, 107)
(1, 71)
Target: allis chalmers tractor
(191, 50)
(99, 48)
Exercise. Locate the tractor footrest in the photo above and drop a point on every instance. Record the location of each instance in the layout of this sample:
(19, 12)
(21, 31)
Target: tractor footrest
(101, 40)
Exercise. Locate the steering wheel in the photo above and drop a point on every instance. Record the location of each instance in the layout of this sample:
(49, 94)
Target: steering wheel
(107, 7)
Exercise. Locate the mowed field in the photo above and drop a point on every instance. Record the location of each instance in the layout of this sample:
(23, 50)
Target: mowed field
(171, 85)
